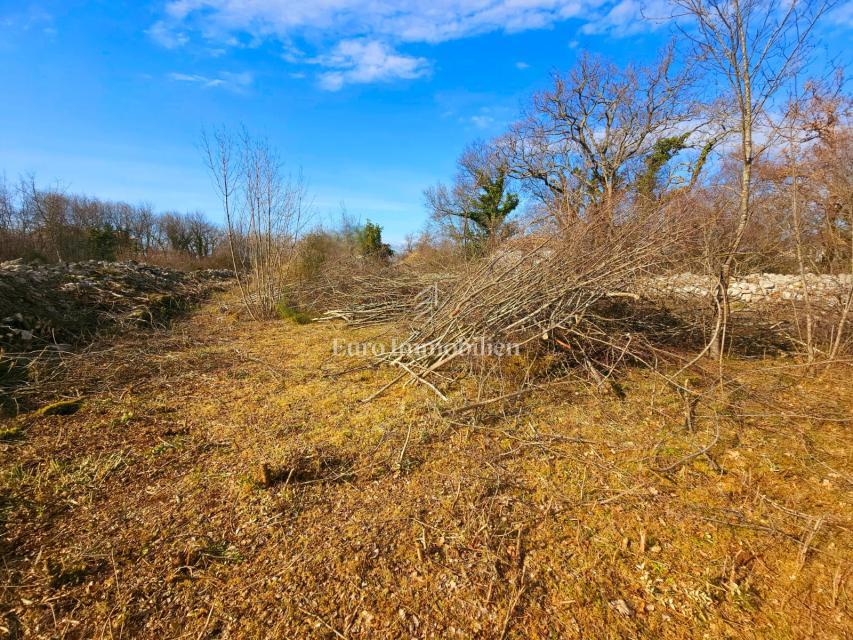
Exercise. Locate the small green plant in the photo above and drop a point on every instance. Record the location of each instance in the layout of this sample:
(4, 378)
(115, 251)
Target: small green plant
(287, 311)
(162, 448)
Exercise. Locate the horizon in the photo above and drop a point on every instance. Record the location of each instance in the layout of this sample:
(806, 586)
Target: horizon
(372, 105)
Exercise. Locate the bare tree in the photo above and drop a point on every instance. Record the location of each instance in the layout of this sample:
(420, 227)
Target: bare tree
(804, 122)
(754, 46)
(143, 227)
(582, 138)
(220, 152)
(50, 224)
(203, 235)
(831, 188)
(265, 211)
(7, 206)
(45, 215)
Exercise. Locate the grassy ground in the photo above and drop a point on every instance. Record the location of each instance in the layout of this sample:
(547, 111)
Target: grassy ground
(224, 479)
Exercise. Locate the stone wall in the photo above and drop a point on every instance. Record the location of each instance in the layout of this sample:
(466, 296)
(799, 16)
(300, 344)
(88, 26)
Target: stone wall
(755, 288)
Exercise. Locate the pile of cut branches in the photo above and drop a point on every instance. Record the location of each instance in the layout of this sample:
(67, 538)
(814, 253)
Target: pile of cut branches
(388, 295)
(49, 311)
(570, 293)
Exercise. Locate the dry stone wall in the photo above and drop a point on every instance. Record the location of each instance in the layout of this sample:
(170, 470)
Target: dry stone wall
(827, 290)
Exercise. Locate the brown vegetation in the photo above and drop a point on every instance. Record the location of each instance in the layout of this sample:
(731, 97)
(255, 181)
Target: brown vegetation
(226, 479)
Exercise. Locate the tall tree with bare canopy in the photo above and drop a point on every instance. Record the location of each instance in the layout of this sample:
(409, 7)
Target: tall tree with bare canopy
(754, 47)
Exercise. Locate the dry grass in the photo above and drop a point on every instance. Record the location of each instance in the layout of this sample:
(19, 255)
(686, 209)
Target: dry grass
(224, 479)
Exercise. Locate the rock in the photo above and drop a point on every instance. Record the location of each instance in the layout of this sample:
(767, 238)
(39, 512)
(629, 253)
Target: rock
(621, 607)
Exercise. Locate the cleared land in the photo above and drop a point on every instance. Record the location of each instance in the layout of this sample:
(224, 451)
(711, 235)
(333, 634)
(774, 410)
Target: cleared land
(224, 479)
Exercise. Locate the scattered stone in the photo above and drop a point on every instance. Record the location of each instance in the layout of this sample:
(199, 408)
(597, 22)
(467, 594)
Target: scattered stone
(622, 608)
(41, 305)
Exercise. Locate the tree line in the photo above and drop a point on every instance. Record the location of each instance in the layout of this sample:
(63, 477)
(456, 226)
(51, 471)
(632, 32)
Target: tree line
(50, 225)
(729, 132)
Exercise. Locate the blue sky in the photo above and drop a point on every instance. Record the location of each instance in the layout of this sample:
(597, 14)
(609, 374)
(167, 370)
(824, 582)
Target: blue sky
(372, 100)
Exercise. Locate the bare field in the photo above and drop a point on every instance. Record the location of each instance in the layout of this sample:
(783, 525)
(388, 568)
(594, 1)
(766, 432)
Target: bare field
(225, 479)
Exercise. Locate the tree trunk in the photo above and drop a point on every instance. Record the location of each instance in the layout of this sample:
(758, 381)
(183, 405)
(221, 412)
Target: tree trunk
(723, 307)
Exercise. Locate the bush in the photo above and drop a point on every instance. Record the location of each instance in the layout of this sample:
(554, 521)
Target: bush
(314, 251)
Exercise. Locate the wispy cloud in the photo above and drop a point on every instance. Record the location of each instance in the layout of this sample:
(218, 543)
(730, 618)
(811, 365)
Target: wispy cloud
(29, 19)
(403, 20)
(224, 80)
(488, 117)
(628, 17)
(843, 15)
(522, 65)
(166, 36)
(482, 121)
(361, 42)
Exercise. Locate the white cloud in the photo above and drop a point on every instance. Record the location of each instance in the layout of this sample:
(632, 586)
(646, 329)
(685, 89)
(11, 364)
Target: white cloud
(364, 61)
(522, 65)
(360, 40)
(482, 121)
(226, 80)
(243, 79)
(185, 77)
(166, 36)
(27, 19)
(843, 15)
(404, 20)
(488, 117)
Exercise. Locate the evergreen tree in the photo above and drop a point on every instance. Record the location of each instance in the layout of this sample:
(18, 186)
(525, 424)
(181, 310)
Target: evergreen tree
(368, 242)
(491, 205)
